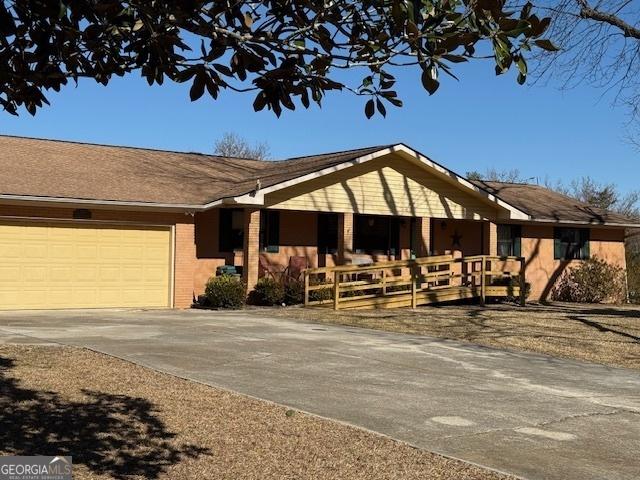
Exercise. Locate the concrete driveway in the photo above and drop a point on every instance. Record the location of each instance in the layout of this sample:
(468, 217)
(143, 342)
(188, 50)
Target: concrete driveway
(530, 415)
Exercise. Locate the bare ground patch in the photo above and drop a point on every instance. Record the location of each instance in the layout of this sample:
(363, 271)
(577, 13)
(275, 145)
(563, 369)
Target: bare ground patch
(595, 333)
(119, 420)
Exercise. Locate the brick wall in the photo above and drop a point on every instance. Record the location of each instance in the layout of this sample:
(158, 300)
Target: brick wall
(251, 247)
(543, 270)
(185, 265)
(345, 237)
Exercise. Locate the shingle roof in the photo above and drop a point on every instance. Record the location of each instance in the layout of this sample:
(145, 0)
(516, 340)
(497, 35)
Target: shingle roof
(62, 169)
(544, 204)
(71, 170)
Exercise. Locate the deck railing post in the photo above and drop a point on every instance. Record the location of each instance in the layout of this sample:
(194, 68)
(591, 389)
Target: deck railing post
(523, 282)
(483, 281)
(414, 285)
(336, 290)
(384, 282)
(306, 288)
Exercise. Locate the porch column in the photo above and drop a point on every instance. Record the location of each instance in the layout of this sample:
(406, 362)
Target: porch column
(423, 236)
(345, 237)
(251, 248)
(491, 238)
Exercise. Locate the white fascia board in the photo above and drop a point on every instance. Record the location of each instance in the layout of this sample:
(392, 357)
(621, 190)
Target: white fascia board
(256, 198)
(515, 213)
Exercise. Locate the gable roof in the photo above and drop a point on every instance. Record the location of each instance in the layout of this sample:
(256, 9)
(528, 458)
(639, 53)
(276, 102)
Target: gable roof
(545, 205)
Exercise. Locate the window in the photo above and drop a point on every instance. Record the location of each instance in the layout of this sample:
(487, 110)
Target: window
(231, 231)
(571, 243)
(373, 234)
(269, 231)
(509, 240)
(327, 233)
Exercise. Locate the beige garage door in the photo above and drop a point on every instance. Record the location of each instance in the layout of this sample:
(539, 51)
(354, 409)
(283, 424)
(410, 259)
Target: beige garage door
(51, 265)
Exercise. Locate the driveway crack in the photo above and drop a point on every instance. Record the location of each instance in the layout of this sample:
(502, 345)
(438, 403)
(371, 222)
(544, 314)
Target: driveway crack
(542, 424)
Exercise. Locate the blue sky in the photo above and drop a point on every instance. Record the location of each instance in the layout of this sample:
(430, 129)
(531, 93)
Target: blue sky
(479, 122)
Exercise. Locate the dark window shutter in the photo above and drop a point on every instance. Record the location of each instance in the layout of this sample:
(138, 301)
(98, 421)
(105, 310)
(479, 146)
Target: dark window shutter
(322, 239)
(327, 233)
(270, 231)
(584, 243)
(394, 236)
(224, 231)
(557, 244)
(274, 232)
(517, 240)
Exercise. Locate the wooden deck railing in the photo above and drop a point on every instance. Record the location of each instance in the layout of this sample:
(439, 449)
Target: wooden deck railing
(415, 282)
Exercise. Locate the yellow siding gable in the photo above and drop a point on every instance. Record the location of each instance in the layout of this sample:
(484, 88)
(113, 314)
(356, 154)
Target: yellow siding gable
(389, 185)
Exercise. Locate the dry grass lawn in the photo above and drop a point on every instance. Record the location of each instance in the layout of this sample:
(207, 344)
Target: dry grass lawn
(119, 420)
(595, 333)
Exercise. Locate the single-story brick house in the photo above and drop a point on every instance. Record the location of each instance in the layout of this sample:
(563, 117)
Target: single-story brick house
(106, 226)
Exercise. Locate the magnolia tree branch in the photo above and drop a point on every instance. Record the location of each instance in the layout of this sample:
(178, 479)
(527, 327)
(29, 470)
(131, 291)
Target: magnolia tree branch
(288, 53)
(594, 14)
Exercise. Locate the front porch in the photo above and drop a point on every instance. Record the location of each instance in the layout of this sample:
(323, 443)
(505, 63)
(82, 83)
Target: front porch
(259, 242)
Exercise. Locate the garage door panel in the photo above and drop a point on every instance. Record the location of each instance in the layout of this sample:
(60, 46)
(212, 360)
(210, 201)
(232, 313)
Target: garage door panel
(83, 266)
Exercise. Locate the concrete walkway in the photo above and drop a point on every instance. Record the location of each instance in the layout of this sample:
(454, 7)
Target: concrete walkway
(530, 415)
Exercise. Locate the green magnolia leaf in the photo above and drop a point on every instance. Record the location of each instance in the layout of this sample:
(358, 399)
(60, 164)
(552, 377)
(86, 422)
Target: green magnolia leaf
(430, 83)
(546, 45)
(248, 20)
(522, 66)
(369, 109)
(454, 58)
(381, 108)
(526, 10)
(260, 102)
(197, 89)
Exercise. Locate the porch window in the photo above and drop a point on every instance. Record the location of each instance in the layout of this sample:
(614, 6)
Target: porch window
(571, 243)
(509, 240)
(270, 231)
(376, 234)
(231, 229)
(327, 233)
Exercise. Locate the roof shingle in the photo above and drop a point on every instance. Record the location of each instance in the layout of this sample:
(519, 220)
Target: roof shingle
(548, 205)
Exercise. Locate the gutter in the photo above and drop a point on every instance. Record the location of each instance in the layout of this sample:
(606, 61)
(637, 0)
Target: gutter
(547, 221)
(28, 199)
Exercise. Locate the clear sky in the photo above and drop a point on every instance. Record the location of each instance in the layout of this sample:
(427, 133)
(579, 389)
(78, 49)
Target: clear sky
(479, 122)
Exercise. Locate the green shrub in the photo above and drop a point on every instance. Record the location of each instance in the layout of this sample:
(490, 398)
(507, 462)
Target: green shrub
(293, 292)
(225, 291)
(322, 294)
(593, 281)
(267, 292)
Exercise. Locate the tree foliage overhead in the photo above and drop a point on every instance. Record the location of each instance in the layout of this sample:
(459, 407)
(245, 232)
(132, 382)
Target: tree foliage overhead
(285, 52)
